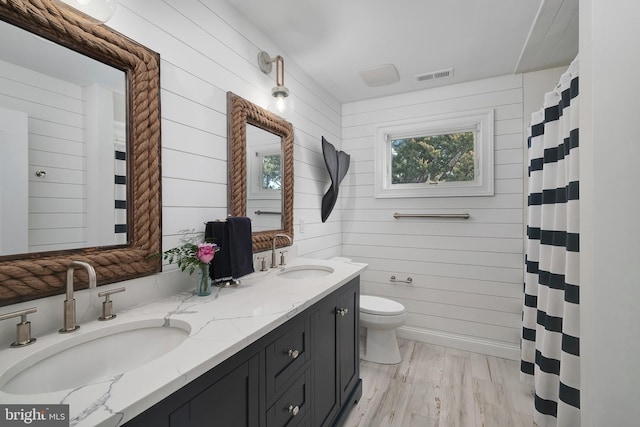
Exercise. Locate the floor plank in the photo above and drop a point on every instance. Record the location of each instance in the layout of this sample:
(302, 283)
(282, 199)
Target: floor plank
(435, 386)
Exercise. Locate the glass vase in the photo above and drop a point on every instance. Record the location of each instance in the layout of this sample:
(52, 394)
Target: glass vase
(203, 281)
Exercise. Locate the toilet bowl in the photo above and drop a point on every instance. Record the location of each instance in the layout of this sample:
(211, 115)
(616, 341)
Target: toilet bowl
(380, 317)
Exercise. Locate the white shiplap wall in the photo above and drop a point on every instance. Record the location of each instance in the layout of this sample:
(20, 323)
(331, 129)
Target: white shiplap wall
(207, 49)
(467, 274)
(56, 127)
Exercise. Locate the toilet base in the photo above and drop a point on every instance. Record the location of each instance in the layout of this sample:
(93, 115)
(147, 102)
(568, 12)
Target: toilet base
(381, 346)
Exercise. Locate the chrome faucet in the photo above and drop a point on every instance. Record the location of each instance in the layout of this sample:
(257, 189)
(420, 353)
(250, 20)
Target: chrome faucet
(273, 248)
(69, 313)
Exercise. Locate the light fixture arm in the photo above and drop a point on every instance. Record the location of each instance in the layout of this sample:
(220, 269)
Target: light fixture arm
(265, 62)
(279, 70)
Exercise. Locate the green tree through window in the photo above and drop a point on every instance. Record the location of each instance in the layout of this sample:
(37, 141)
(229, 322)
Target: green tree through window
(433, 159)
(271, 179)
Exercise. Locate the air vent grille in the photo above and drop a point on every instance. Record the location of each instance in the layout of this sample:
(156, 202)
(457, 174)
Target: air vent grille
(435, 75)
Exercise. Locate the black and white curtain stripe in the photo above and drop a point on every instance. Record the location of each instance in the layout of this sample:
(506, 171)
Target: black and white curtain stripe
(551, 318)
(120, 193)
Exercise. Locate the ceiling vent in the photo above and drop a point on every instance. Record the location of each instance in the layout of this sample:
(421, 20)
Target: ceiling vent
(380, 75)
(435, 75)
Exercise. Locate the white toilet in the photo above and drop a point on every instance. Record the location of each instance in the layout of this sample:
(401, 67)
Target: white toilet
(381, 317)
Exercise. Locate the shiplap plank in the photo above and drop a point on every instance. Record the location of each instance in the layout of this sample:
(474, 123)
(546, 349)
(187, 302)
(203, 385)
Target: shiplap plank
(178, 218)
(418, 254)
(181, 137)
(435, 227)
(55, 145)
(57, 175)
(200, 168)
(54, 190)
(476, 286)
(480, 330)
(57, 205)
(447, 297)
(47, 159)
(198, 194)
(497, 274)
(57, 220)
(451, 243)
(75, 236)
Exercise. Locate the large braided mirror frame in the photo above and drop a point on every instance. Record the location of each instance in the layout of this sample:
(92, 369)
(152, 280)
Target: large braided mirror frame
(35, 275)
(241, 112)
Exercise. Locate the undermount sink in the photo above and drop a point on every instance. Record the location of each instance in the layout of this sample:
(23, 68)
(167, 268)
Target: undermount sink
(93, 356)
(305, 271)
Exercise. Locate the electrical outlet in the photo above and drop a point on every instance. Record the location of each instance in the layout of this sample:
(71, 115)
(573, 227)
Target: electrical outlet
(301, 225)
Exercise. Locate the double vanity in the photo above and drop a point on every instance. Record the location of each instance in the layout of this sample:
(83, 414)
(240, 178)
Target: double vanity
(280, 349)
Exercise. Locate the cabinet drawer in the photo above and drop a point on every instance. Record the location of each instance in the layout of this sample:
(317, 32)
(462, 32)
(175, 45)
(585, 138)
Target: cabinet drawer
(286, 356)
(291, 408)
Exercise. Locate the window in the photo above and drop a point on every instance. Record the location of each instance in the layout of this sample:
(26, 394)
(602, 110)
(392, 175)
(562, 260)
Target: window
(271, 172)
(439, 156)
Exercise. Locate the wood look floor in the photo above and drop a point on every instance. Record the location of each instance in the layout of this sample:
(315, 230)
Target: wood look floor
(443, 387)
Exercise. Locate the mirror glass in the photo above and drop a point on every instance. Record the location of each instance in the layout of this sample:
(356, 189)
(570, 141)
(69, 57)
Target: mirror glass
(62, 147)
(260, 170)
(73, 153)
(264, 179)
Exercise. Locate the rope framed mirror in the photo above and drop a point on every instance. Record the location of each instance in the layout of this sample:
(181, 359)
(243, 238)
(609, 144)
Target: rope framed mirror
(241, 113)
(27, 276)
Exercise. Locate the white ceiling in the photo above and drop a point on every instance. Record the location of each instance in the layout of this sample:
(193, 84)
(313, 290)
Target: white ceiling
(333, 40)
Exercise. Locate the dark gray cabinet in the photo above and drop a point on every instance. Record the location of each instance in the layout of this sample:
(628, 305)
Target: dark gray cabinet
(336, 357)
(303, 373)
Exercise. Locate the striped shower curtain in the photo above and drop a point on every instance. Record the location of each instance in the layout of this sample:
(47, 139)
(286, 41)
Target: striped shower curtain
(550, 321)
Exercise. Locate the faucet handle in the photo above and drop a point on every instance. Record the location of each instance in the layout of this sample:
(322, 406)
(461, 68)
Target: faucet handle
(23, 329)
(282, 258)
(263, 263)
(107, 304)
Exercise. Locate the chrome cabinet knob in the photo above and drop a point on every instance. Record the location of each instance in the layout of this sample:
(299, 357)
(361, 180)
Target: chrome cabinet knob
(293, 410)
(293, 354)
(342, 311)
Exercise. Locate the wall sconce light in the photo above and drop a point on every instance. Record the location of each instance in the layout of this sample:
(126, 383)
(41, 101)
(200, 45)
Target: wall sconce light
(98, 10)
(279, 104)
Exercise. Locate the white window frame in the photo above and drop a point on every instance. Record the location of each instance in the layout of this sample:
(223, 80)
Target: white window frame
(480, 121)
(255, 171)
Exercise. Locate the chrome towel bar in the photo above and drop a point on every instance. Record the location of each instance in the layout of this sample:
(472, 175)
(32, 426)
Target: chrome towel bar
(267, 213)
(456, 216)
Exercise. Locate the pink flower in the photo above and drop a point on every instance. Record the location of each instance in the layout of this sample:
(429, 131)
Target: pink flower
(206, 251)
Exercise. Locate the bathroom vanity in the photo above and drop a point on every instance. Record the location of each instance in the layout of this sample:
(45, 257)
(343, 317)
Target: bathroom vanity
(304, 372)
(280, 349)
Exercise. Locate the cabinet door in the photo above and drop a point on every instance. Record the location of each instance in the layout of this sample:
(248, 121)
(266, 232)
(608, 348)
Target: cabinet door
(231, 401)
(348, 339)
(325, 387)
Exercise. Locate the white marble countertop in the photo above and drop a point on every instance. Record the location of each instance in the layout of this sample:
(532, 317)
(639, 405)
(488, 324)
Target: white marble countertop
(220, 325)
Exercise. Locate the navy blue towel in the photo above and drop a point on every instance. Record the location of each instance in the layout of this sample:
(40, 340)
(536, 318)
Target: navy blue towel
(217, 232)
(241, 246)
(235, 257)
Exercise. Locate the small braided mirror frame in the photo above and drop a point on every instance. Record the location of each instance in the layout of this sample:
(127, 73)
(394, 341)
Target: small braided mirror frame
(241, 112)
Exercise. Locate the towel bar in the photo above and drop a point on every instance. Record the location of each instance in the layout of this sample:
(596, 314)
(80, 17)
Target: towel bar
(267, 213)
(457, 216)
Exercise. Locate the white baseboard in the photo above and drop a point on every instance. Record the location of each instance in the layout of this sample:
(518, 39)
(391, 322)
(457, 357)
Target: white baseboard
(461, 342)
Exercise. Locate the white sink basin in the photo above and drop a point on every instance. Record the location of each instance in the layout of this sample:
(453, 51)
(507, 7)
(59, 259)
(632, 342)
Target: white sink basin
(93, 356)
(305, 271)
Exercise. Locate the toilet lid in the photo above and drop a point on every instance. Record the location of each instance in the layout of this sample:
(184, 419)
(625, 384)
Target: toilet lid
(381, 306)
